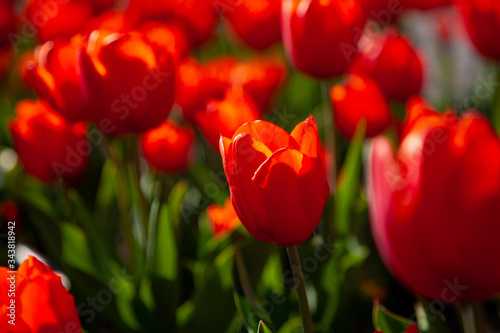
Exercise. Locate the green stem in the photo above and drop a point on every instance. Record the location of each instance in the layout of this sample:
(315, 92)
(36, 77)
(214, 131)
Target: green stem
(123, 203)
(293, 256)
(136, 168)
(329, 133)
(469, 321)
(244, 279)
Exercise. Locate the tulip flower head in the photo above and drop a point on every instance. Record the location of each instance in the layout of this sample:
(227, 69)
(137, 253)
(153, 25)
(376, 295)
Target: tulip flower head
(277, 180)
(48, 146)
(321, 36)
(356, 99)
(391, 61)
(225, 116)
(434, 204)
(55, 76)
(256, 22)
(127, 83)
(42, 304)
(223, 219)
(482, 21)
(169, 147)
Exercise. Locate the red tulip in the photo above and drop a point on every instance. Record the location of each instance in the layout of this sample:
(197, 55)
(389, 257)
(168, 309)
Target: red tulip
(223, 117)
(53, 19)
(223, 219)
(256, 22)
(197, 18)
(321, 37)
(260, 78)
(434, 205)
(127, 83)
(55, 76)
(197, 83)
(169, 147)
(169, 38)
(259, 160)
(482, 20)
(42, 304)
(392, 62)
(47, 145)
(356, 99)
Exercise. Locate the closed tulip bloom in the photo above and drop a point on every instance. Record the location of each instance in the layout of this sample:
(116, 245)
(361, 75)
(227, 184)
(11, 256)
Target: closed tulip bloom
(261, 78)
(256, 22)
(482, 20)
(42, 303)
(127, 83)
(37, 127)
(393, 63)
(55, 76)
(277, 180)
(356, 99)
(321, 36)
(169, 147)
(224, 116)
(434, 204)
(223, 219)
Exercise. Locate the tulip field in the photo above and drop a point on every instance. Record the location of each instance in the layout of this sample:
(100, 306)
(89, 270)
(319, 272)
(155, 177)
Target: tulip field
(249, 166)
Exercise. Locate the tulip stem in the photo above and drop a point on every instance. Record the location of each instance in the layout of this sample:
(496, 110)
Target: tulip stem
(472, 321)
(136, 166)
(293, 256)
(329, 133)
(123, 205)
(495, 112)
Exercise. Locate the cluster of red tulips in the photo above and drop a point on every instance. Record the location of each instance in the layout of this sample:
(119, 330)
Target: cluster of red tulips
(139, 104)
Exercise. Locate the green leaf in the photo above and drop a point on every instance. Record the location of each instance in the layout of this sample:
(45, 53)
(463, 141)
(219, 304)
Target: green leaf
(428, 320)
(348, 185)
(388, 322)
(165, 253)
(75, 250)
(263, 328)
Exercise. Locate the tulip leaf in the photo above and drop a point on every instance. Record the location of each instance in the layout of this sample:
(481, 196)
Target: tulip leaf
(165, 249)
(388, 322)
(428, 319)
(263, 328)
(75, 250)
(348, 183)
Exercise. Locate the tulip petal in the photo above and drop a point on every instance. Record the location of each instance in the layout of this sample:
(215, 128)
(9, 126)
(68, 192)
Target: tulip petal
(271, 135)
(306, 135)
(243, 158)
(294, 193)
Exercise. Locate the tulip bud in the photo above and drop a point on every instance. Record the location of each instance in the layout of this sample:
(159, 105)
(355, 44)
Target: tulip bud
(42, 304)
(168, 147)
(258, 161)
(434, 205)
(357, 99)
(127, 84)
(37, 127)
(321, 37)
